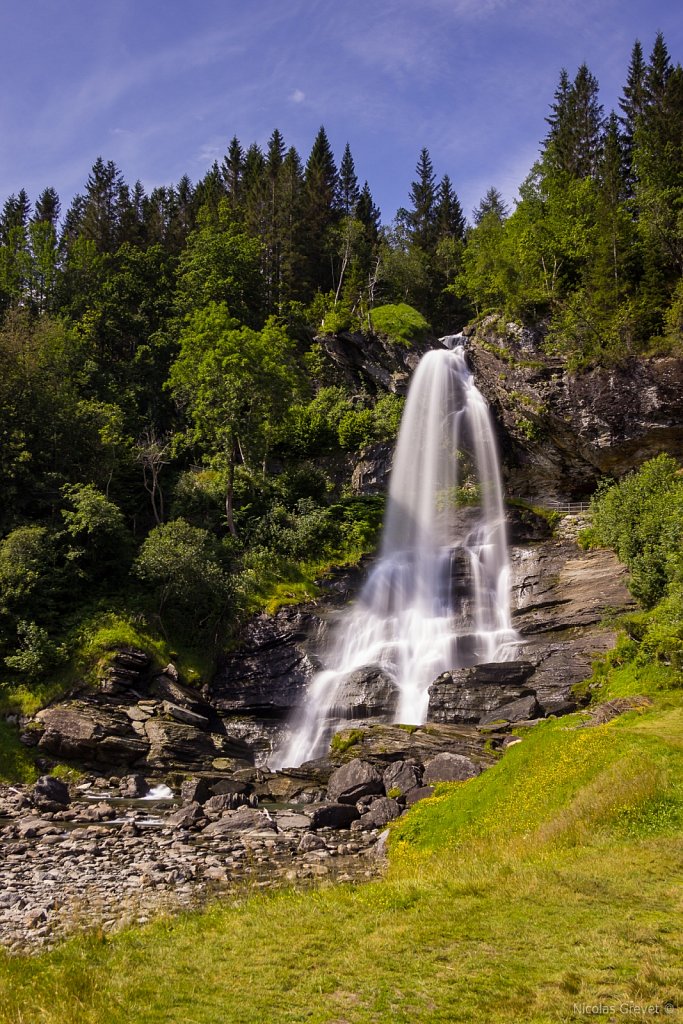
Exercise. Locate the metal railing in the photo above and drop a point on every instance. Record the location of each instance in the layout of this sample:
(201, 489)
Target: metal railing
(570, 508)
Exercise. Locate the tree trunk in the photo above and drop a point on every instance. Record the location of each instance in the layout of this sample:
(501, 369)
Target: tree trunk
(230, 493)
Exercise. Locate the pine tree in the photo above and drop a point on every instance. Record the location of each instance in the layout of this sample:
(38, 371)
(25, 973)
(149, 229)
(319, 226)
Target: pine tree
(231, 170)
(572, 145)
(633, 99)
(657, 73)
(450, 220)
(321, 212)
(47, 208)
(421, 218)
(349, 193)
(368, 214)
(492, 203)
(103, 200)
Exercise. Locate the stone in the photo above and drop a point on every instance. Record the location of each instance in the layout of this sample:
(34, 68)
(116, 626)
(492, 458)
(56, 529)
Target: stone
(333, 815)
(449, 767)
(174, 744)
(244, 819)
(186, 817)
(380, 812)
(134, 787)
(310, 842)
(195, 790)
(181, 714)
(289, 821)
(468, 695)
(50, 793)
(366, 693)
(520, 710)
(352, 781)
(413, 796)
(90, 733)
(216, 805)
(402, 776)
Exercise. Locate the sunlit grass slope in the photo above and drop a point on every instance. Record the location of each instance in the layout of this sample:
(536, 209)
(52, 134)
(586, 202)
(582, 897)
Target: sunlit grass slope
(549, 884)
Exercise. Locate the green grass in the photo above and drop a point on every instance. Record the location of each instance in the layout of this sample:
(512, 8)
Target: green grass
(16, 762)
(549, 883)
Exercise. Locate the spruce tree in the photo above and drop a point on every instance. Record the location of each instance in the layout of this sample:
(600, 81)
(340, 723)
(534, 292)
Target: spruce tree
(349, 193)
(321, 211)
(421, 218)
(103, 200)
(450, 220)
(47, 208)
(492, 203)
(231, 170)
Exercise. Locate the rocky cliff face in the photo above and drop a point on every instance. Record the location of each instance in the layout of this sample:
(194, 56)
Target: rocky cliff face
(561, 430)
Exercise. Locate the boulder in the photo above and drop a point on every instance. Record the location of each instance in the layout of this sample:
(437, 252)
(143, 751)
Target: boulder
(380, 812)
(449, 767)
(244, 819)
(175, 745)
(352, 781)
(333, 815)
(195, 790)
(187, 816)
(50, 793)
(134, 787)
(366, 693)
(520, 710)
(402, 776)
(89, 732)
(413, 796)
(470, 694)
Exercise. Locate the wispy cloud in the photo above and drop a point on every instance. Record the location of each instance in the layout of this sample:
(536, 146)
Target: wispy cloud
(298, 96)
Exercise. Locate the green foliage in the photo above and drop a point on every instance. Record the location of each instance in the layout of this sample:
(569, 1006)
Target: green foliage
(185, 568)
(343, 741)
(36, 653)
(642, 519)
(400, 323)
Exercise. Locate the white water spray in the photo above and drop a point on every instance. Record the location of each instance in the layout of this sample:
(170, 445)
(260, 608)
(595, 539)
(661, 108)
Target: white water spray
(438, 595)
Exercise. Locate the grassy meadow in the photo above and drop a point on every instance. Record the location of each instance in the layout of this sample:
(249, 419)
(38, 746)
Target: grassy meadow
(546, 888)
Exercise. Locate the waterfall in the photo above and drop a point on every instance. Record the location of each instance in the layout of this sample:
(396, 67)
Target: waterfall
(438, 595)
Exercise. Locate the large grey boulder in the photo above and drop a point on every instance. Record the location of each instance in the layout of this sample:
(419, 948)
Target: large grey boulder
(354, 780)
(365, 693)
(244, 819)
(401, 776)
(469, 695)
(448, 767)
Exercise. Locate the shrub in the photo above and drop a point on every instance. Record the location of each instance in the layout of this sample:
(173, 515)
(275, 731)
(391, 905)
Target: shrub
(401, 323)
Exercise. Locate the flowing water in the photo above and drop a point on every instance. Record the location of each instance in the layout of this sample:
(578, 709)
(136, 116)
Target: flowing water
(438, 595)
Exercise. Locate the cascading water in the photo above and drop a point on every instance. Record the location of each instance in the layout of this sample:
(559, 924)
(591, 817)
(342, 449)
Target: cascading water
(438, 595)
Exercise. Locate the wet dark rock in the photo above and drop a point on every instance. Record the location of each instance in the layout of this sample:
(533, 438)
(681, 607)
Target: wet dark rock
(584, 425)
(449, 767)
(333, 815)
(371, 472)
(366, 693)
(352, 781)
(470, 695)
(50, 793)
(380, 812)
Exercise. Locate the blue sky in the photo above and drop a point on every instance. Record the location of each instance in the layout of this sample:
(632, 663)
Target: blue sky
(161, 87)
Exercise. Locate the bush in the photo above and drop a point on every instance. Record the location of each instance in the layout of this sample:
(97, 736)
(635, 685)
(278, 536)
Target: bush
(401, 323)
(641, 518)
(185, 568)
